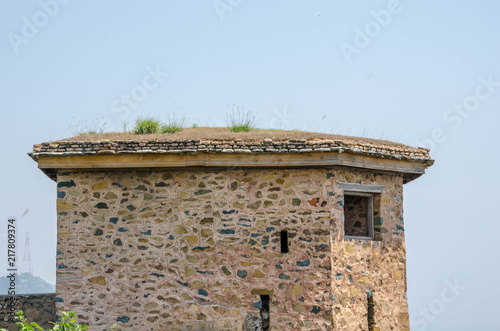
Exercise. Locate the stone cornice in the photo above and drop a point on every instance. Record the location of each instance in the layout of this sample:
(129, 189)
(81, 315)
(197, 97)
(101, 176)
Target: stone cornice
(63, 148)
(105, 160)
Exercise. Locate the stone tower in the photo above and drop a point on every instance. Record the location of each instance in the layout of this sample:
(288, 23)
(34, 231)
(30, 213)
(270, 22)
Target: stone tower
(211, 230)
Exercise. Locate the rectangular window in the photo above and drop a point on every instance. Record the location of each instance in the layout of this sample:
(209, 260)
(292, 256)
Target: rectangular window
(284, 241)
(358, 214)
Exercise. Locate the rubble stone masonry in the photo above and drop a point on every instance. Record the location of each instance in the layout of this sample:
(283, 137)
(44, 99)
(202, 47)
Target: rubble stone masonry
(196, 249)
(238, 146)
(38, 308)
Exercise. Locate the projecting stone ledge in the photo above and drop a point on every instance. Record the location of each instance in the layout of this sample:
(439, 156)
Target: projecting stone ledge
(217, 147)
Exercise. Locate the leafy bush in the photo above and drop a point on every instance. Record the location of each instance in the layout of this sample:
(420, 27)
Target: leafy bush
(239, 121)
(148, 125)
(173, 125)
(65, 323)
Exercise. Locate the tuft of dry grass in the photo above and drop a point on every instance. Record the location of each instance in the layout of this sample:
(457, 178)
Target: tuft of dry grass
(174, 124)
(86, 128)
(239, 121)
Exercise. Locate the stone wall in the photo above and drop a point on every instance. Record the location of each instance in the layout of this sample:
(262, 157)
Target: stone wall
(189, 250)
(119, 146)
(39, 308)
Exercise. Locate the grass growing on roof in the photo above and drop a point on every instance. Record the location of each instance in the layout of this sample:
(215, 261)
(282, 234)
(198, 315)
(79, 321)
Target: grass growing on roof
(148, 125)
(174, 124)
(240, 121)
(218, 133)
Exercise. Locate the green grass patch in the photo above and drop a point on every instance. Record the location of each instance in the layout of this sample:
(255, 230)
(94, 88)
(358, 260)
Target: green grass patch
(147, 125)
(240, 128)
(87, 132)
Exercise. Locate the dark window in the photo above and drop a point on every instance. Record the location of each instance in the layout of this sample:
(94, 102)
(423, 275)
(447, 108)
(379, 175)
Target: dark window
(284, 241)
(371, 311)
(264, 312)
(358, 215)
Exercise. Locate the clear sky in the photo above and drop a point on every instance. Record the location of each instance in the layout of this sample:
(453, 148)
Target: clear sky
(419, 72)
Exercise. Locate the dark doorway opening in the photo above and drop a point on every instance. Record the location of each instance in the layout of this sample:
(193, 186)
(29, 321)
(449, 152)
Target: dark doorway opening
(371, 311)
(264, 312)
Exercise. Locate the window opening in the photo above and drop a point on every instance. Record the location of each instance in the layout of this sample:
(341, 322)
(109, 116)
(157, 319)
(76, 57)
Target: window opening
(264, 312)
(358, 214)
(371, 311)
(284, 241)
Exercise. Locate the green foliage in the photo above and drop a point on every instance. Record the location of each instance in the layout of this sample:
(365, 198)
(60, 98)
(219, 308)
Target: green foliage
(147, 125)
(239, 121)
(23, 323)
(151, 125)
(66, 323)
(194, 126)
(173, 124)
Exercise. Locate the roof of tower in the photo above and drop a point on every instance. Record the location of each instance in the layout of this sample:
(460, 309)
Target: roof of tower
(221, 143)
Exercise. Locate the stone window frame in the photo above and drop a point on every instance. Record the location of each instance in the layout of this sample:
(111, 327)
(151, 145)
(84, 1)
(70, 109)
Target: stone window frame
(368, 191)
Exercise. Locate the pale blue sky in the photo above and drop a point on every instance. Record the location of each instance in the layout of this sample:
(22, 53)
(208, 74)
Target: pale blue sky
(284, 61)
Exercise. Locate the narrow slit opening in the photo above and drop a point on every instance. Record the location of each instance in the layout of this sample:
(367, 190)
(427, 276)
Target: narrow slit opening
(284, 241)
(264, 312)
(371, 311)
